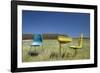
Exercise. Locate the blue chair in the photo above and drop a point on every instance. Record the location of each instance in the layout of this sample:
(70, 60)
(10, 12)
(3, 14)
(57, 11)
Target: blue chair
(37, 41)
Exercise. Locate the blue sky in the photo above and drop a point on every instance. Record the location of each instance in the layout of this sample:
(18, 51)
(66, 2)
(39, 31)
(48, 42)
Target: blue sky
(71, 24)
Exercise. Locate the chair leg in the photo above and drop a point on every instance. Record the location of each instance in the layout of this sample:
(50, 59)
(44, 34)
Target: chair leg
(42, 46)
(60, 49)
(30, 48)
(34, 48)
(75, 52)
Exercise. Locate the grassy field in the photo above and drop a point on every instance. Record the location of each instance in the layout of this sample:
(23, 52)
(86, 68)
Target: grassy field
(50, 51)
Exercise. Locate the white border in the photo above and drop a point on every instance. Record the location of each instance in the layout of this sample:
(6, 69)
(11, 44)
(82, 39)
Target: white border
(53, 63)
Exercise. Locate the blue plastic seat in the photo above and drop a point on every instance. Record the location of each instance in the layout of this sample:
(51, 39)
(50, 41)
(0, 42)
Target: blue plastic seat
(37, 40)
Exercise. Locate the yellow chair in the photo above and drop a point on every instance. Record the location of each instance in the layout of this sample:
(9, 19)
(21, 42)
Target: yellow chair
(80, 42)
(63, 40)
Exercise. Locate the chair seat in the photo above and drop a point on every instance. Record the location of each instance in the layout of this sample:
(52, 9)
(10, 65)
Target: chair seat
(36, 44)
(76, 47)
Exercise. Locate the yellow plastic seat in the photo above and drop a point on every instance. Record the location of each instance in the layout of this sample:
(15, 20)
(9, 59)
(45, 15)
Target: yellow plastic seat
(75, 47)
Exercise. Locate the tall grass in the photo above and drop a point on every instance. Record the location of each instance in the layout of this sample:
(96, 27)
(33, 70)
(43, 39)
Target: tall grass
(50, 51)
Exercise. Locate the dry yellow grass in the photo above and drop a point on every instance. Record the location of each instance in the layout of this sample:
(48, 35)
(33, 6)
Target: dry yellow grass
(50, 51)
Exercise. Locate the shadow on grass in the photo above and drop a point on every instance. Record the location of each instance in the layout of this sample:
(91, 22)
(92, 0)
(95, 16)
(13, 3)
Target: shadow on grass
(33, 53)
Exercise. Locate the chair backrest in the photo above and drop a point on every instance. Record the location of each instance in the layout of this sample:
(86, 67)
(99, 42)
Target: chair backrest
(80, 40)
(37, 38)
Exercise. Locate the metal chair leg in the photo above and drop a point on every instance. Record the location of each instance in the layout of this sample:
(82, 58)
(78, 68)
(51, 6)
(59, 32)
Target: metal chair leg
(30, 48)
(60, 49)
